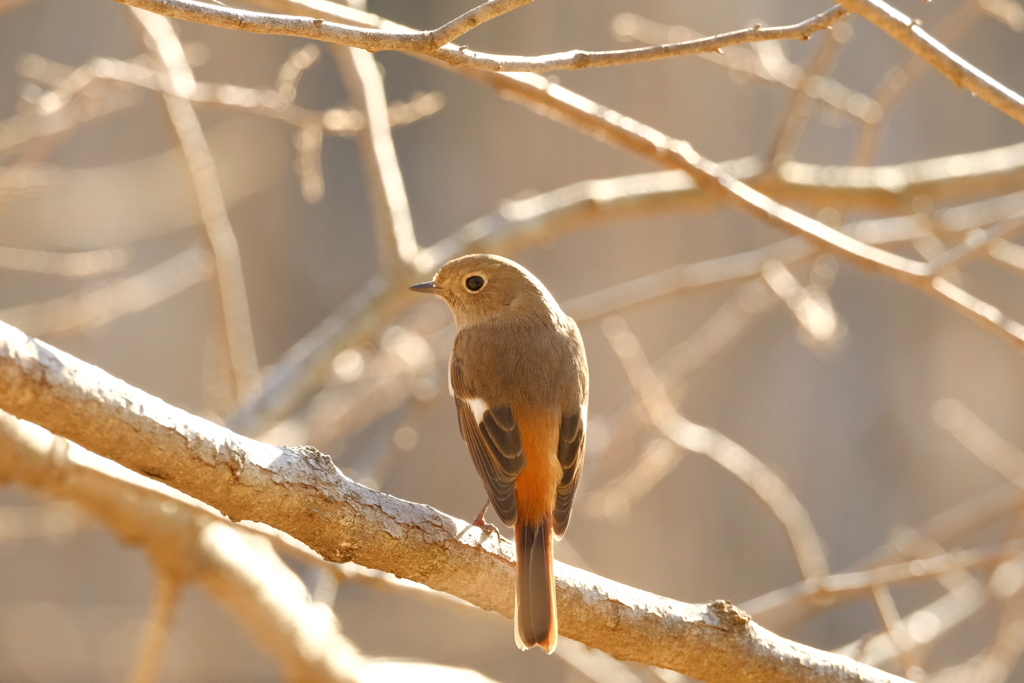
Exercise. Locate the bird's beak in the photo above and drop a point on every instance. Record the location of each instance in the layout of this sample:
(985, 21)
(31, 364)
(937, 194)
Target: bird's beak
(428, 287)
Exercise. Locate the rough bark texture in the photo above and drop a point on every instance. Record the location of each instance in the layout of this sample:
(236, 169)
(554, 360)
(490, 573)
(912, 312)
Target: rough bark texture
(301, 492)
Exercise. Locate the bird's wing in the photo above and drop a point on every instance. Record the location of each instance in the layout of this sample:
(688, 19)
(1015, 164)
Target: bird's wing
(491, 433)
(572, 436)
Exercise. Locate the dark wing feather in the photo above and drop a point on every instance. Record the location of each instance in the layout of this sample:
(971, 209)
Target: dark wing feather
(571, 442)
(494, 446)
(499, 481)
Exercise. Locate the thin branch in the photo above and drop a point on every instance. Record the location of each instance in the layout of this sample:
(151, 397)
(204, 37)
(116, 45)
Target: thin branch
(899, 79)
(998, 661)
(158, 628)
(529, 222)
(301, 492)
(396, 239)
(820, 326)
(736, 460)
(277, 103)
(426, 42)
(859, 583)
(897, 631)
(235, 323)
(301, 368)
(965, 595)
(717, 333)
(288, 76)
(962, 74)
(1009, 12)
(525, 223)
(71, 111)
(942, 615)
(579, 112)
(69, 265)
(802, 104)
(404, 364)
(976, 244)
(687, 277)
(980, 440)
(463, 24)
(98, 306)
(592, 118)
(786, 605)
(754, 64)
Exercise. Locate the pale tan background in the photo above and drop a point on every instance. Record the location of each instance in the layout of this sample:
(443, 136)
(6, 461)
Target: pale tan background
(851, 431)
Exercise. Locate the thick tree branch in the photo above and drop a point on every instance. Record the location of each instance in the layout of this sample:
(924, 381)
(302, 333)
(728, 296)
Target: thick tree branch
(301, 492)
(187, 541)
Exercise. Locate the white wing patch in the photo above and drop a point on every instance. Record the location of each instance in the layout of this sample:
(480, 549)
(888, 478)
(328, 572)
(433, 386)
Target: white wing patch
(479, 407)
(451, 389)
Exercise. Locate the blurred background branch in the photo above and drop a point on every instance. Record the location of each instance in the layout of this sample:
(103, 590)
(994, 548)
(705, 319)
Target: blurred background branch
(878, 432)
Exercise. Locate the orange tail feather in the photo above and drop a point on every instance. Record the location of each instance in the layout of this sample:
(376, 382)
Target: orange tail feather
(536, 618)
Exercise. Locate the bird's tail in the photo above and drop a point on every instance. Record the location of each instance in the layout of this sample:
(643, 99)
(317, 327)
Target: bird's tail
(536, 619)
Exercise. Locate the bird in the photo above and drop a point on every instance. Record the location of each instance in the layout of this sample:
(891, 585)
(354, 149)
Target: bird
(519, 376)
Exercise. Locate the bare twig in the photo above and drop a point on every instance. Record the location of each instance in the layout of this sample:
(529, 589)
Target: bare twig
(396, 240)
(787, 604)
(802, 105)
(819, 323)
(426, 42)
(277, 103)
(715, 335)
(739, 462)
(942, 614)
(945, 61)
(592, 118)
(459, 26)
(975, 244)
(69, 112)
(617, 497)
(981, 440)
(158, 628)
(69, 265)
(292, 70)
(98, 306)
(685, 277)
(897, 631)
(1009, 12)
(752, 63)
(300, 369)
(236, 326)
(574, 110)
(899, 79)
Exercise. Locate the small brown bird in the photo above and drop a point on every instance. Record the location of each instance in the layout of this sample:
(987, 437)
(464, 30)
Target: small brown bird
(519, 377)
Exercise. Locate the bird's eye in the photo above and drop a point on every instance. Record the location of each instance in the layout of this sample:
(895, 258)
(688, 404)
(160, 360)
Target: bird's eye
(474, 283)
